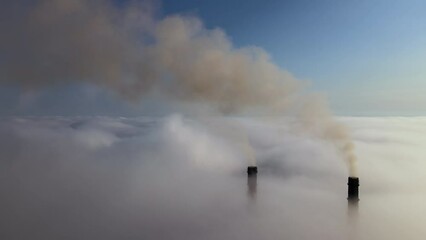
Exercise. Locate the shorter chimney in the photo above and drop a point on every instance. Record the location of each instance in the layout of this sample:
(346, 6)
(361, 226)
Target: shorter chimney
(353, 184)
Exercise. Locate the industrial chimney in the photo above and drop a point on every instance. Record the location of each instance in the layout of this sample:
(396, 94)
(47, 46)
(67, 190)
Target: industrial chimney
(251, 170)
(252, 181)
(353, 185)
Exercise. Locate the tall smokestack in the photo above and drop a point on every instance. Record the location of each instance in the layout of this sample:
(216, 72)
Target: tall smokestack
(353, 185)
(252, 181)
(251, 171)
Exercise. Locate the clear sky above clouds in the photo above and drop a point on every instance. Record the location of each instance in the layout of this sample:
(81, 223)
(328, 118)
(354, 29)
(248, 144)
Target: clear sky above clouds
(366, 56)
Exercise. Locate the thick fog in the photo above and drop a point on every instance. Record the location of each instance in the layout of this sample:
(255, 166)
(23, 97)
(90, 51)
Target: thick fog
(180, 178)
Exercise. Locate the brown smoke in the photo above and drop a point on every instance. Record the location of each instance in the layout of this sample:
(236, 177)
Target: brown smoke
(128, 50)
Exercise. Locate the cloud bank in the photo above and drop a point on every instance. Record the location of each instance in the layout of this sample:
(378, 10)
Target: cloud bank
(151, 178)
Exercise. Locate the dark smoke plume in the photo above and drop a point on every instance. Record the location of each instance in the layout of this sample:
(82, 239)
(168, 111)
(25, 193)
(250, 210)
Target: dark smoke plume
(130, 51)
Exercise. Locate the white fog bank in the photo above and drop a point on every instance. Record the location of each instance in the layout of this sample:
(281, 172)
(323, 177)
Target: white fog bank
(179, 178)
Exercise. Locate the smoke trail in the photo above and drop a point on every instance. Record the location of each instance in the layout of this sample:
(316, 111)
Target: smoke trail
(316, 117)
(237, 133)
(128, 50)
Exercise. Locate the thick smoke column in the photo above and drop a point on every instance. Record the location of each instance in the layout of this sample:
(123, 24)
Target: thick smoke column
(128, 50)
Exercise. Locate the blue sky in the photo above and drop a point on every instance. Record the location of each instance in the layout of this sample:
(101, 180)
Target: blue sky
(366, 56)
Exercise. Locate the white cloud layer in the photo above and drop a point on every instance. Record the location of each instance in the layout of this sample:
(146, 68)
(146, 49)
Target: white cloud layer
(177, 178)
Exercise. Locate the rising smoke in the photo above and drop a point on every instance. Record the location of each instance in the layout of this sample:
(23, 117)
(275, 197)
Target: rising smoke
(131, 51)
